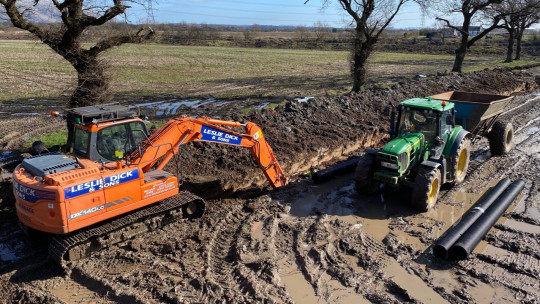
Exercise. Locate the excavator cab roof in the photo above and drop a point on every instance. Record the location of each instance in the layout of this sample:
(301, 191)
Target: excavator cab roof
(100, 113)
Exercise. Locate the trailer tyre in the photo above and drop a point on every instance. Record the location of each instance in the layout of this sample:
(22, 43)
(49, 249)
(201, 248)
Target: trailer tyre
(500, 138)
(426, 188)
(459, 161)
(363, 178)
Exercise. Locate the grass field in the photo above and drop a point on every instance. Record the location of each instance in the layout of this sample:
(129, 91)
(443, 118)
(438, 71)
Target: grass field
(30, 70)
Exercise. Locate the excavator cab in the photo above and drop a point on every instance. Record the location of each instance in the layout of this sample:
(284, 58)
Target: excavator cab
(106, 133)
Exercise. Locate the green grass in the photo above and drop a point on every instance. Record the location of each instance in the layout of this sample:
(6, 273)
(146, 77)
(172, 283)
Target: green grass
(51, 139)
(500, 63)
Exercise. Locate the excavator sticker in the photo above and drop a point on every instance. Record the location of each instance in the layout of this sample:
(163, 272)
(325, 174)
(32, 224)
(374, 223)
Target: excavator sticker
(32, 195)
(87, 211)
(99, 184)
(211, 134)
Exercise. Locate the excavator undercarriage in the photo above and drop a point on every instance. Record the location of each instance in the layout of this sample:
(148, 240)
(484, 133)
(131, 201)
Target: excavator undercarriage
(80, 244)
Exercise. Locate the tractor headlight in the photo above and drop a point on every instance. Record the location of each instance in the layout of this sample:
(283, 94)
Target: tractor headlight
(389, 165)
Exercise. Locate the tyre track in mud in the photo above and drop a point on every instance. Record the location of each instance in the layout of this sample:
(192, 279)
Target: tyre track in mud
(220, 262)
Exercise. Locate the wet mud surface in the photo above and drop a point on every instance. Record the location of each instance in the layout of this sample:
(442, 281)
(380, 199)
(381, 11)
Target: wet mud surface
(306, 243)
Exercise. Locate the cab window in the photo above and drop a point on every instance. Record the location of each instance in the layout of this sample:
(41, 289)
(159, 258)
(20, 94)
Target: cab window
(419, 121)
(116, 141)
(111, 142)
(80, 145)
(447, 124)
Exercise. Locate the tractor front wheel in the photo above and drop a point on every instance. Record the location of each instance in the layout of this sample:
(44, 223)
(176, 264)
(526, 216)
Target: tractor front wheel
(459, 161)
(426, 188)
(363, 179)
(500, 138)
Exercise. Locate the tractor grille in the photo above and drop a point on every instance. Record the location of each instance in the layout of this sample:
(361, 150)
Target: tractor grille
(383, 157)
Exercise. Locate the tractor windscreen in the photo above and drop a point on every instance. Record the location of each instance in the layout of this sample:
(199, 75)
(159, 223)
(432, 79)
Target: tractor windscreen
(418, 121)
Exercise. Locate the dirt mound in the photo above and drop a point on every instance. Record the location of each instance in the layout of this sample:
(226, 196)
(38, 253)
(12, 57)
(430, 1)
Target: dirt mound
(321, 131)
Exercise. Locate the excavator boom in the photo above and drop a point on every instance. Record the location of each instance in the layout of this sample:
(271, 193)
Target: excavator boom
(166, 142)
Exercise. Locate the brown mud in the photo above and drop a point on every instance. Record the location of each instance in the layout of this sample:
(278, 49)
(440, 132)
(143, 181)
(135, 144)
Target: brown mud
(305, 243)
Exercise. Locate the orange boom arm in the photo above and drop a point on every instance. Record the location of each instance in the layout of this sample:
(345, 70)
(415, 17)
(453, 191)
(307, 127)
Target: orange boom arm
(162, 145)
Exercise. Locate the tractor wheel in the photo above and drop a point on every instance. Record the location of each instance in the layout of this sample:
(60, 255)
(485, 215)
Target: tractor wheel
(426, 188)
(500, 137)
(459, 161)
(363, 179)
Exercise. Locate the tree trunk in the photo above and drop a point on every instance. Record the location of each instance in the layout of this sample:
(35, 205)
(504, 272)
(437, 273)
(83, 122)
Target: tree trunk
(93, 84)
(460, 54)
(360, 54)
(92, 87)
(510, 47)
(518, 44)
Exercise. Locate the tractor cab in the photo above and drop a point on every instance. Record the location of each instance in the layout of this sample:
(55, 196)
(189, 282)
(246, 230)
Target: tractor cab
(105, 133)
(432, 118)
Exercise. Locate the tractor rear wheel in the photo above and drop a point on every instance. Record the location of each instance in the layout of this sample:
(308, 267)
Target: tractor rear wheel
(426, 188)
(459, 161)
(363, 179)
(500, 137)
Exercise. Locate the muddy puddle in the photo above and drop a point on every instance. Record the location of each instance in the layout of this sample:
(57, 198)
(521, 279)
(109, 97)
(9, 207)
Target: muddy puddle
(172, 106)
(7, 156)
(12, 247)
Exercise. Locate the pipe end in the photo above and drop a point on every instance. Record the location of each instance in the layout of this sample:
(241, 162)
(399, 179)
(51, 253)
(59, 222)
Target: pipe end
(458, 252)
(440, 251)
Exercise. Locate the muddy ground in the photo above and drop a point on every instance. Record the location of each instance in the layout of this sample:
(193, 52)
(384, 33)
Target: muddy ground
(305, 243)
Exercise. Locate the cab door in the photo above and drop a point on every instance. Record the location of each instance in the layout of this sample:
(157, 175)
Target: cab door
(122, 188)
(447, 124)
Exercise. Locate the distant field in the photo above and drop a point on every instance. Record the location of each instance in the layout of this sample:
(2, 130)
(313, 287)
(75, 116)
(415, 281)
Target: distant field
(29, 70)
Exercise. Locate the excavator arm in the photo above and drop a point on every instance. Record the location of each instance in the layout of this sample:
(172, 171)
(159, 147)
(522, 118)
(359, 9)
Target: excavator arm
(158, 149)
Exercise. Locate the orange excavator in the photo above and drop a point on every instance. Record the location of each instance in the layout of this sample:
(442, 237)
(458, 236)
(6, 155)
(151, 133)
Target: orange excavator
(113, 186)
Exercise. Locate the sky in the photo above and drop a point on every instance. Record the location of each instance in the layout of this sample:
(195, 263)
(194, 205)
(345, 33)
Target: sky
(264, 12)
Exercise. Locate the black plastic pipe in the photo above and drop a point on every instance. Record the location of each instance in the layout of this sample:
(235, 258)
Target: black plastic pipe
(443, 245)
(468, 241)
(341, 168)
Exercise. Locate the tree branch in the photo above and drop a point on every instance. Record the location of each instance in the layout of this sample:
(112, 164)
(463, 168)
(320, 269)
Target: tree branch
(111, 42)
(452, 26)
(485, 32)
(18, 20)
(389, 19)
(109, 14)
(63, 5)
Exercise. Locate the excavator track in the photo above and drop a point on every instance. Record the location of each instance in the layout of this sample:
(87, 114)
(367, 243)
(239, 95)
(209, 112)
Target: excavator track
(80, 244)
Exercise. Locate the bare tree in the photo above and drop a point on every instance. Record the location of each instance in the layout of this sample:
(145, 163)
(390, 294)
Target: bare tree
(470, 10)
(302, 33)
(370, 19)
(511, 10)
(321, 30)
(76, 16)
(517, 15)
(530, 16)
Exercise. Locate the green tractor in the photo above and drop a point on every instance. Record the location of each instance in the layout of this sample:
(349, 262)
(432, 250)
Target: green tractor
(431, 144)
